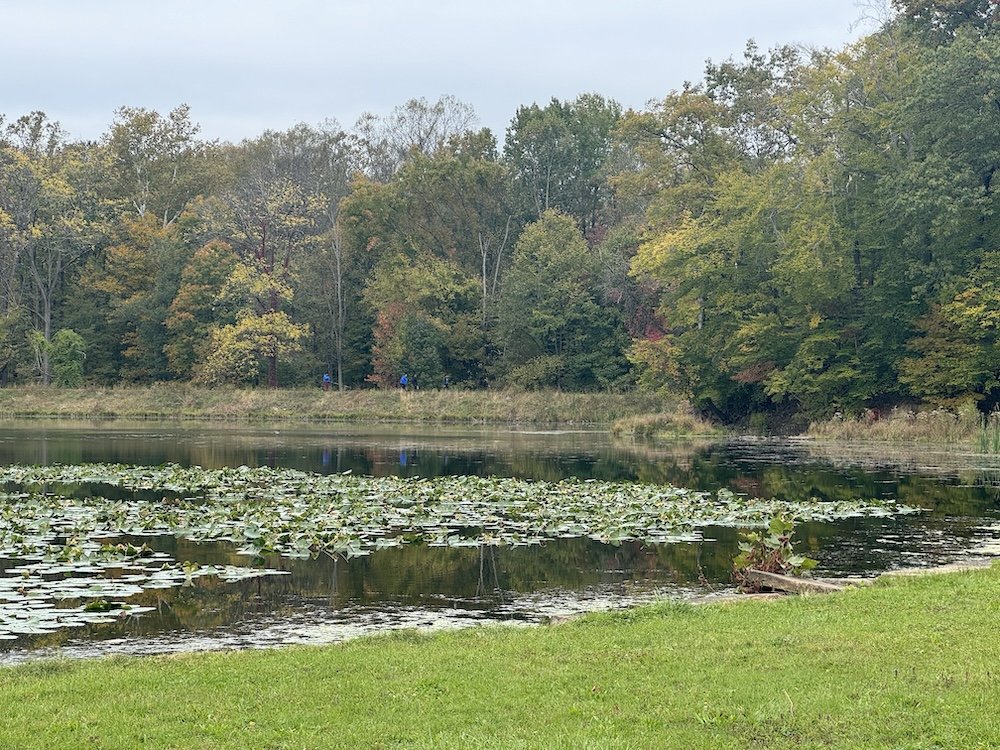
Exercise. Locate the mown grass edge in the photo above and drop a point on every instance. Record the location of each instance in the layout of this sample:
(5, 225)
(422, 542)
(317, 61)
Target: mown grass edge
(909, 663)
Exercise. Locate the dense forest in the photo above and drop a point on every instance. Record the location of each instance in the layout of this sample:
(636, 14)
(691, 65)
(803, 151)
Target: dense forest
(801, 232)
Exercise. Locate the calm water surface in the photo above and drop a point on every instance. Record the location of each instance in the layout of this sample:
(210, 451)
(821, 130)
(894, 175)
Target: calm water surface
(329, 599)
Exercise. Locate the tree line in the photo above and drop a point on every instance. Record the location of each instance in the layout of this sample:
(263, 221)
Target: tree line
(799, 233)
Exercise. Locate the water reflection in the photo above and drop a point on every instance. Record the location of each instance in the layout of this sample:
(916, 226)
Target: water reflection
(329, 599)
(379, 451)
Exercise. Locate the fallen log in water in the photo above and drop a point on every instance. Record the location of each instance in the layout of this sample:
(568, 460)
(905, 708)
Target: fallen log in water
(790, 583)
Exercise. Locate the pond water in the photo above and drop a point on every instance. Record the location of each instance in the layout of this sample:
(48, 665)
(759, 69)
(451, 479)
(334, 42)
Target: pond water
(331, 598)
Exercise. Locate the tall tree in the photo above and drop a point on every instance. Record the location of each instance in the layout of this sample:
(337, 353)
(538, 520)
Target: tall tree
(195, 308)
(47, 220)
(415, 127)
(156, 163)
(425, 309)
(557, 153)
(940, 20)
(552, 329)
(275, 214)
(329, 158)
(449, 210)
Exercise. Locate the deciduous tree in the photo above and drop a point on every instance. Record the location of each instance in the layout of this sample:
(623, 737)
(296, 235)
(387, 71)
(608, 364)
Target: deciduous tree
(552, 331)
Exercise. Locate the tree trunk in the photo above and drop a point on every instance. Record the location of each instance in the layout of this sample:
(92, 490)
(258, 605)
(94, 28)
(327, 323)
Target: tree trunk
(338, 330)
(267, 256)
(46, 275)
(47, 332)
(272, 371)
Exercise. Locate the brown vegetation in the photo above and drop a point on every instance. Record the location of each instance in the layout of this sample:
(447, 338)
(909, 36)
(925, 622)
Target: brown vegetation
(181, 401)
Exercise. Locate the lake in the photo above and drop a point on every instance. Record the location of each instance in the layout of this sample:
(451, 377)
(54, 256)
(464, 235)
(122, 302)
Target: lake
(331, 598)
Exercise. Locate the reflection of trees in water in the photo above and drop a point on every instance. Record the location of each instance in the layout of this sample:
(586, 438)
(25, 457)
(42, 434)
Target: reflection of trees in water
(765, 467)
(929, 493)
(484, 577)
(206, 606)
(375, 451)
(793, 473)
(474, 578)
(414, 573)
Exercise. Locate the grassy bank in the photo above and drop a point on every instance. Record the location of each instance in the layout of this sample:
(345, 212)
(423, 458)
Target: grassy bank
(909, 664)
(175, 401)
(962, 427)
(679, 421)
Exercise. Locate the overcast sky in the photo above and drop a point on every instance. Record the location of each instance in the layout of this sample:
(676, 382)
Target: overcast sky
(248, 65)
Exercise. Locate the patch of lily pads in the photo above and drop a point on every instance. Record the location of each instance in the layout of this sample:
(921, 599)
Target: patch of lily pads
(299, 514)
(63, 539)
(81, 583)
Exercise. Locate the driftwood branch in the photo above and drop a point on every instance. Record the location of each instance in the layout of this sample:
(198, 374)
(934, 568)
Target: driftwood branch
(789, 583)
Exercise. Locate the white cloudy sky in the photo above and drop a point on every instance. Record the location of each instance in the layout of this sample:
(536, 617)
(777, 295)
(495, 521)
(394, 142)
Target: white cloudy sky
(247, 65)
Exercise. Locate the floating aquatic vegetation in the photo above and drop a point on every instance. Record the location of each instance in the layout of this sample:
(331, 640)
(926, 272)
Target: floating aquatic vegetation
(29, 593)
(297, 514)
(64, 540)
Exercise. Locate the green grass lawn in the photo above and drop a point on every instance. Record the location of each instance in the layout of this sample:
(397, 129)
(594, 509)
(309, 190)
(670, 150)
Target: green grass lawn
(914, 663)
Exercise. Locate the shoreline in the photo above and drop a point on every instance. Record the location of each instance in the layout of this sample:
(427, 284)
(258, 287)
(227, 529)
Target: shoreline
(916, 653)
(646, 418)
(183, 402)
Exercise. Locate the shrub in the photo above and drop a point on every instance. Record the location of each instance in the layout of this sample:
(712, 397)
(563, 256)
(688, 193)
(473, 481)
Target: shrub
(66, 355)
(771, 551)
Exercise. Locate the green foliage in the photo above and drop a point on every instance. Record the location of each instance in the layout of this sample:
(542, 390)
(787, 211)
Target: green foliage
(771, 551)
(552, 330)
(796, 235)
(543, 370)
(557, 154)
(156, 164)
(12, 340)
(135, 281)
(67, 354)
(239, 353)
(828, 263)
(434, 242)
(422, 343)
(940, 20)
(426, 307)
(194, 309)
(824, 375)
(49, 221)
(957, 351)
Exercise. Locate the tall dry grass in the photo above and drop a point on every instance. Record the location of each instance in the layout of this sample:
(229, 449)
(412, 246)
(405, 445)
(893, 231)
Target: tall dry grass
(185, 401)
(964, 426)
(679, 421)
